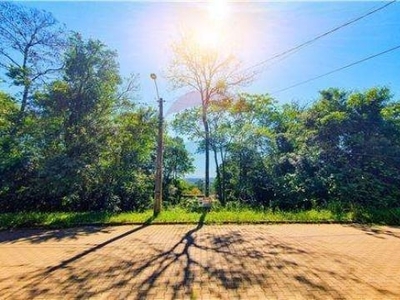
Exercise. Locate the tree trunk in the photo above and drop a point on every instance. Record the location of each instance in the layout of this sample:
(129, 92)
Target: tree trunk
(24, 101)
(27, 84)
(25, 94)
(207, 150)
(222, 178)
(215, 151)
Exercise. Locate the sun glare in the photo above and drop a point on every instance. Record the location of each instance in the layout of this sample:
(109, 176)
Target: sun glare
(209, 35)
(208, 39)
(218, 9)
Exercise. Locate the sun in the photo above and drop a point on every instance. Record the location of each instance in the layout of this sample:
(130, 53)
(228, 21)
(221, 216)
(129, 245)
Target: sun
(209, 34)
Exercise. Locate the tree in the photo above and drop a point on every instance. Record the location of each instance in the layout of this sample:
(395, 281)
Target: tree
(30, 46)
(242, 134)
(8, 108)
(177, 163)
(77, 117)
(188, 123)
(347, 151)
(177, 160)
(210, 72)
(18, 155)
(128, 159)
(239, 127)
(9, 155)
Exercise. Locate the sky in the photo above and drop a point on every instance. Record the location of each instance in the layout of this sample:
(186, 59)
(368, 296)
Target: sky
(255, 31)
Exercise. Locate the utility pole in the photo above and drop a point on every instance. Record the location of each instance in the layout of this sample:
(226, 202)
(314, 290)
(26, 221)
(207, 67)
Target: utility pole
(159, 157)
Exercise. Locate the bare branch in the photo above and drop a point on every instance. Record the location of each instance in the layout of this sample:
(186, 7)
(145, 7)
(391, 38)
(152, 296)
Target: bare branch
(32, 41)
(131, 85)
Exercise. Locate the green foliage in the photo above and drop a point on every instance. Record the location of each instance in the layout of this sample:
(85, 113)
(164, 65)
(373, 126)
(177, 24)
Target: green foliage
(8, 110)
(177, 162)
(211, 74)
(128, 162)
(79, 144)
(389, 216)
(78, 110)
(75, 151)
(343, 150)
(18, 155)
(190, 205)
(339, 150)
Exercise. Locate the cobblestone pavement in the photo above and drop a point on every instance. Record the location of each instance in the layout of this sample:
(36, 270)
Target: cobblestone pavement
(202, 262)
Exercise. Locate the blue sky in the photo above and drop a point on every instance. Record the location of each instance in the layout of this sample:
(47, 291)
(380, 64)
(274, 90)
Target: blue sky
(142, 33)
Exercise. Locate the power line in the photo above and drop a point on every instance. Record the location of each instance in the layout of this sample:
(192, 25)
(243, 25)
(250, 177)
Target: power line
(296, 48)
(337, 70)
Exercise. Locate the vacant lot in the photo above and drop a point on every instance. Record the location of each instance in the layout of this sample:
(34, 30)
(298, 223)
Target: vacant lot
(202, 262)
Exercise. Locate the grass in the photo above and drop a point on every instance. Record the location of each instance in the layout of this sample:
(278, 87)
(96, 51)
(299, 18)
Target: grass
(69, 219)
(177, 215)
(169, 216)
(375, 216)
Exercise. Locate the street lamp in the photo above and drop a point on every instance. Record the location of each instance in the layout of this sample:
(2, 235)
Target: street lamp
(159, 157)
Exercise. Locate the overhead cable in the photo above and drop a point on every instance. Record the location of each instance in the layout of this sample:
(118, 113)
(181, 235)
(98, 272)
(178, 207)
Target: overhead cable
(337, 70)
(296, 48)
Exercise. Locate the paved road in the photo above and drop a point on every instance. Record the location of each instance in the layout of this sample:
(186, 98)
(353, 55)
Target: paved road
(202, 262)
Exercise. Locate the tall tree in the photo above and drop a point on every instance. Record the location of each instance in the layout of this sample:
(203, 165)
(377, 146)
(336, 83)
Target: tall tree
(128, 159)
(31, 41)
(209, 71)
(77, 116)
(244, 133)
(239, 128)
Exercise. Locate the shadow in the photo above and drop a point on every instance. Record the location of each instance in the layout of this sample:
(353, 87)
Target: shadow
(379, 231)
(99, 246)
(166, 258)
(198, 261)
(66, 228)
(304, 280)
(202, 218)
(37, 236)
(40, 235)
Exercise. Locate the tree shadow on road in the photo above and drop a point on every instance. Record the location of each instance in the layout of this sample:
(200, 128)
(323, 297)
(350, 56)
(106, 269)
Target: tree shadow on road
(95, 248)
(183, 261)
(40, 235)
(37, 236)
(378, 231)
(56, 231)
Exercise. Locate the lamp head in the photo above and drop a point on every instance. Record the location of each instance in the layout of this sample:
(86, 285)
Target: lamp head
(153, 76)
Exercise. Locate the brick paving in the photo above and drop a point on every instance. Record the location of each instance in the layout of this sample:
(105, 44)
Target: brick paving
(202, 262)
